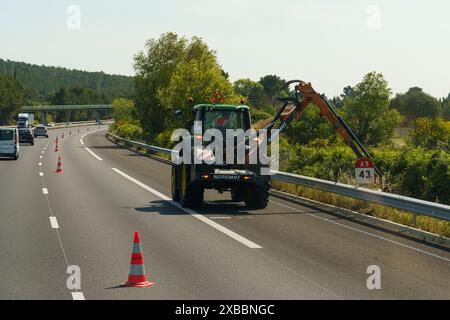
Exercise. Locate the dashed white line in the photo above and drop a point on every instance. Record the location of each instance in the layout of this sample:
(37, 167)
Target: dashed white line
(93, 154)
(40, 163)
(200, 217)
(78, 296)
(41, 174)
(54, 223)
(44, 190)
(82, 142)
(40, 157)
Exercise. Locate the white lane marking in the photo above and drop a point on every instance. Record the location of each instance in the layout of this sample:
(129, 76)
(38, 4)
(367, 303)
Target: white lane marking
(78, 296)
(220, 218)
(93, 154)
(42, 152)
(200, 217)
(40, 163)
(44, 190)
(364, 232)
(40, 157)
(41, 174)
(54, 223)
(81, 141)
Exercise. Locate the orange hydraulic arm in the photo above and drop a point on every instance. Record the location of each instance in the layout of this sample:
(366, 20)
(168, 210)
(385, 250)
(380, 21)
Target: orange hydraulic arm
(303, 96)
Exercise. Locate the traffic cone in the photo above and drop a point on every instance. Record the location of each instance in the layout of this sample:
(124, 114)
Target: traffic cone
(137, 277)
(59, 168)
(62, 135)
(56, 146)
(70, 132)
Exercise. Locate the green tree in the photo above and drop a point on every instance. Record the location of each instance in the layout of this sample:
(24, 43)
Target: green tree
(311, 126)
(431, 134)
(272, 86)
(11, 98)
(446, 108)
(416, 104)
(197, 77)
(253, 91)
(125, 111)
(171, 70)
(154, 69)
(367, 110)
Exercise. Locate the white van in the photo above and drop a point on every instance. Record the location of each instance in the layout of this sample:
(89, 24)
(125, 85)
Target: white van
(9, 143)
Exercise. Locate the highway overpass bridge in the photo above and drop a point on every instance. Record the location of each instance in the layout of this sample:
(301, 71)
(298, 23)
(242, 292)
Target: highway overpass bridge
(44, 110)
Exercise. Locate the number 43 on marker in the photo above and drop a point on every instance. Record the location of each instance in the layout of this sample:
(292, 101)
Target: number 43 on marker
(364, 171)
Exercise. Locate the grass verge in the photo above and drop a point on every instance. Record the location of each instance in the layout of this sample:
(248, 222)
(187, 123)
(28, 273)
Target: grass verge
(406, 218)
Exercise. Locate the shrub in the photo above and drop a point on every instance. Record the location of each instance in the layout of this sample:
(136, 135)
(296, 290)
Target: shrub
(431, 134)
(128, 131)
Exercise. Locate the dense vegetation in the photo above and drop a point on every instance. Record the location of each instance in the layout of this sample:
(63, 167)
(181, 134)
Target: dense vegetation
(40, 82)
(172, 69)
(11, 97)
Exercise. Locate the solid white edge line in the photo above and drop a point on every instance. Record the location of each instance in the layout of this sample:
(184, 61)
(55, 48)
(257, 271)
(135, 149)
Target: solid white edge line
(78, 296)
(196, 215)
(364, 232)
(93, 154)
(44, 190)
(54, 223)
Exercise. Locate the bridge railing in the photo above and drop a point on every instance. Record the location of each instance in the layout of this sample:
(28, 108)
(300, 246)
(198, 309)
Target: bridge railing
(422, 207)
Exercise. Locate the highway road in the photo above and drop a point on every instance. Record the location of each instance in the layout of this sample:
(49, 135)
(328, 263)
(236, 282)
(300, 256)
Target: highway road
(222, 251)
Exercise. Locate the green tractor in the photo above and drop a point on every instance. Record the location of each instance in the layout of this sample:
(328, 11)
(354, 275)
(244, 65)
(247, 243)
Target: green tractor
(244, 181)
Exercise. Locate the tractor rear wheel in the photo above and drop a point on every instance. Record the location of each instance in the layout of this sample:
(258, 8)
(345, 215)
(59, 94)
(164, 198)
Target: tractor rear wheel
(175, 184)
(191, 193)
(237, 194)
(257, 196)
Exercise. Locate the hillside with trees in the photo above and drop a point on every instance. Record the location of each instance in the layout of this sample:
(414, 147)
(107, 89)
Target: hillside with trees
(41, 82)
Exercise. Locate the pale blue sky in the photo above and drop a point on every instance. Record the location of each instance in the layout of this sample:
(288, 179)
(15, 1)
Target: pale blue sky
(327, 42)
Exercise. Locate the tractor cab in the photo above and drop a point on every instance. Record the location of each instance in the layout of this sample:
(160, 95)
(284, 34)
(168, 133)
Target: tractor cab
(222, 117)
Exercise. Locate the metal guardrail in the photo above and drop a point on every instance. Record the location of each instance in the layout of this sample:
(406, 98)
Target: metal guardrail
(62, 125)
(422, 207)
(141, 145)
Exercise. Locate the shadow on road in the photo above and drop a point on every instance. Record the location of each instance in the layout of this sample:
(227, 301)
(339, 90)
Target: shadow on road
(121, 286)
(216, 208)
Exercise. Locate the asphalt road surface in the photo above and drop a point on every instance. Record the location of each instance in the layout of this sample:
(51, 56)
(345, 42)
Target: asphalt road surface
(221, 251)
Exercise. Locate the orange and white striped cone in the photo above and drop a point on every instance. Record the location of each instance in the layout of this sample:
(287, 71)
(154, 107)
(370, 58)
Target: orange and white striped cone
(59, 168)
(137, 277)
(56, 147)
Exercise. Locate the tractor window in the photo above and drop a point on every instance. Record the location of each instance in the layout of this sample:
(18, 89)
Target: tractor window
(224, 120)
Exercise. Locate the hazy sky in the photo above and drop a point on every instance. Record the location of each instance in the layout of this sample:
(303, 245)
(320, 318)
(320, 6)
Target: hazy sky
(331, 43)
